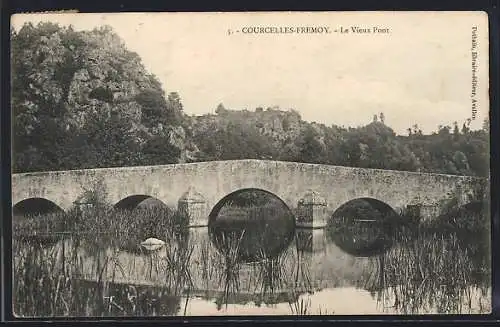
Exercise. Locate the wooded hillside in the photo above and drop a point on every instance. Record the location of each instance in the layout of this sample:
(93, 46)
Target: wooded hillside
(82, 100)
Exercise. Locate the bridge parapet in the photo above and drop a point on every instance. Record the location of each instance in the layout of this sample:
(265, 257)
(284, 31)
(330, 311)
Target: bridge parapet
(214, 180)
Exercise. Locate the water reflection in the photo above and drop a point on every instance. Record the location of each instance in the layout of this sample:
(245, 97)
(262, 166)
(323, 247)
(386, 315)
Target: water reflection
(251, 225)
(427, 269)
(363, 227)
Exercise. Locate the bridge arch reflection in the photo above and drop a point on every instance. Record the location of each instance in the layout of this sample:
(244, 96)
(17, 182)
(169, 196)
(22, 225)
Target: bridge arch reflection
(363, 227)
(251, 223)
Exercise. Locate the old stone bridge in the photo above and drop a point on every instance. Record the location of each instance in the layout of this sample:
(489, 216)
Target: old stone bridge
(313, 191)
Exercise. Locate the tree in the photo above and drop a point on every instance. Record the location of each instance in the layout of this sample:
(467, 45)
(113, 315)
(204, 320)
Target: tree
(416, 129)
(106, 142)
(159, 151)
(465, 129)
(461, 162)
(456, 131)
(63, 81)
(310, 148)
(174, 108)
(285, 124)
(220, 109)
(444, 130)
(154, 107)
(486, 124)
(382, 118)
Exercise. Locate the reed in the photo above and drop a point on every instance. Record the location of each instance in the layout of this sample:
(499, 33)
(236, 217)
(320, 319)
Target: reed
(431, 269)
(45, 285)
(176, 265)
(232, 265)
(48, 279)
(301, 307)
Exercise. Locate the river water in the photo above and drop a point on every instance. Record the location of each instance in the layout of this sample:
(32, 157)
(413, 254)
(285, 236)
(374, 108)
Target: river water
(197, 273)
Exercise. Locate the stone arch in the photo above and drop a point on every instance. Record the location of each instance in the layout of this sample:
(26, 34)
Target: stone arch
(134, 201)
(220, 203)
(35, 206)
(38, 220)
(256, 236)
(363, 226)
(373, 202)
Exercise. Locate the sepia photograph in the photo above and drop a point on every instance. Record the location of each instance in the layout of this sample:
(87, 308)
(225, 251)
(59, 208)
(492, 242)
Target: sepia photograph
(250, 163)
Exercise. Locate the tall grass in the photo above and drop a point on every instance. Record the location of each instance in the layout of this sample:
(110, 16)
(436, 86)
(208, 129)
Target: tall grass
(44, 229)
(229, 278)
(45, 285)
(300, 307)
(176, 264)
(50, 253)
(437, 266)
(272, 272)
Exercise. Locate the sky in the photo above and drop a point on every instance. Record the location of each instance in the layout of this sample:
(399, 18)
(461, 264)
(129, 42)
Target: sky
(418, 73)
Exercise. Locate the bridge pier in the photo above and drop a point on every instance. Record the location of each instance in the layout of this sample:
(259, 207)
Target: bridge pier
(311, 211)
(312, 218)
(192, 209)
(425, 212)
(83, 206)
(429, 212)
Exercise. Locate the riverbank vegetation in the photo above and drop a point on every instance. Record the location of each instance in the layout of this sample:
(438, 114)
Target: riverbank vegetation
(424, 271)
(440, 266)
